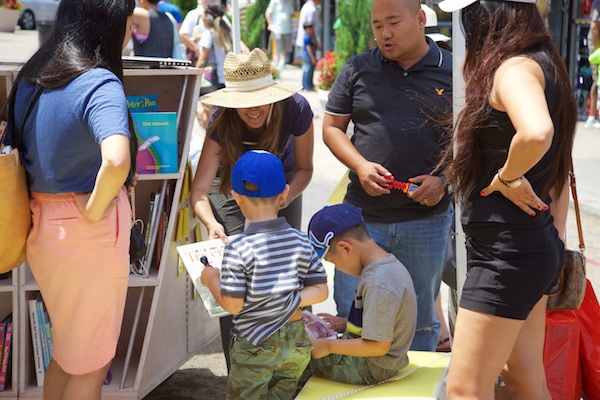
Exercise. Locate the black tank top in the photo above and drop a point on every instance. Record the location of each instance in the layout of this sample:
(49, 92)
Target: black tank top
(160, 40)
(494, 140)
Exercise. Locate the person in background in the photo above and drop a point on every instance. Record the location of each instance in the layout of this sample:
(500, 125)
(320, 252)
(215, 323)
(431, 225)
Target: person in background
(253, 112)
(309, 14)
(279, 23)
(381, 324)
(309, 59)
(215, 42)
(593, 42)
(514, 140)
(268, 273)
(167, 7)
(193, 26)
(70, 111)
(153, 31)
(398, 95)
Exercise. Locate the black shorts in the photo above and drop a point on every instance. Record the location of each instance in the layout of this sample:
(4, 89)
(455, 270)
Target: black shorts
(510, 267)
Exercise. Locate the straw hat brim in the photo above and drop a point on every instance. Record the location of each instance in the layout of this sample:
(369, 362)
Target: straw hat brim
(255, 98)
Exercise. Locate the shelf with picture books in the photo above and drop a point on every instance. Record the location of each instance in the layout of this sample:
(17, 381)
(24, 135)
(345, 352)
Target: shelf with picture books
(163, 325)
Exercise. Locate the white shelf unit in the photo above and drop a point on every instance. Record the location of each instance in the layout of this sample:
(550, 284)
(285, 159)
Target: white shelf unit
(163, 326)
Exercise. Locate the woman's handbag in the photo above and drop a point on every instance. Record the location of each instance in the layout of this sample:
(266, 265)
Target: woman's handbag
(14, 203)
(14, 196)
(572, 278)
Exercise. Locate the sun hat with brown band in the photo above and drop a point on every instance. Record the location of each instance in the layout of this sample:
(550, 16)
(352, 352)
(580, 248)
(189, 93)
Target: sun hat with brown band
(249, 83)
(455, 5)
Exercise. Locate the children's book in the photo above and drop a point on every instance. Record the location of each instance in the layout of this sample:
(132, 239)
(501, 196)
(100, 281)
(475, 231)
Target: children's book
(36, 340)
(156, 133)
(196, 257)
(147, 103)
(316, 327)
(42, 322)
(6, 350)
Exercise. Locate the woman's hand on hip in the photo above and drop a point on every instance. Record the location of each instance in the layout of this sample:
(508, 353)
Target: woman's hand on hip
(520, 192)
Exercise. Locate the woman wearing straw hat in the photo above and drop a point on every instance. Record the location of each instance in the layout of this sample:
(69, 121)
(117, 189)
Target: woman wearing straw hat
(253, 112)
(514, 138)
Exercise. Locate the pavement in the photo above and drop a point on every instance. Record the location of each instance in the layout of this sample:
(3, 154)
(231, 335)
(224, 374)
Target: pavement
(204, 375)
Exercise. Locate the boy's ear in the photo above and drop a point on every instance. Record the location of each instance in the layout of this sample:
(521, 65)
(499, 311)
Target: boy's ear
(237, 197)
(344, 247)
(283, 195)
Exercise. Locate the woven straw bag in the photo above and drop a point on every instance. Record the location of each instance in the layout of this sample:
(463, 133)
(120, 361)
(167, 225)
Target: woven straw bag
(14, 203)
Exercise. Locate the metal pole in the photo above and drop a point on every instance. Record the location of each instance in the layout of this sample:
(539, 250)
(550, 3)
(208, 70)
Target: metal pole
(235, 14)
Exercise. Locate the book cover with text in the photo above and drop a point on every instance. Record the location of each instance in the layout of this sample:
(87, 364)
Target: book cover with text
(157, 142)
(191, 255)
(145, 103)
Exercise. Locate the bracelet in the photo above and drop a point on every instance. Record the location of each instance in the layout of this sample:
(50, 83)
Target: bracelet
(508, 184)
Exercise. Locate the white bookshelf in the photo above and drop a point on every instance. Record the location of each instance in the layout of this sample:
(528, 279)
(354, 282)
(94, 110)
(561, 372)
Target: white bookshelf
(163, 325)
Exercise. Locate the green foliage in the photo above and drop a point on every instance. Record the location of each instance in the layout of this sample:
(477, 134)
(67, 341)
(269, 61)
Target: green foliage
(252, 32)
(355, 34)
(185, 5)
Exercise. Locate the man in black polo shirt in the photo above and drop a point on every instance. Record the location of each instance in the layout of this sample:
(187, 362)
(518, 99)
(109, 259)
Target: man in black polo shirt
(398, 95)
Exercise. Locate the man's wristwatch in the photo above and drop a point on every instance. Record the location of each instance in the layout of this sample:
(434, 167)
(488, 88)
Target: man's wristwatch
(447, 183)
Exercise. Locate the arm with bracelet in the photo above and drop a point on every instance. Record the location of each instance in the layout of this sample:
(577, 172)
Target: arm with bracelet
(534, 130)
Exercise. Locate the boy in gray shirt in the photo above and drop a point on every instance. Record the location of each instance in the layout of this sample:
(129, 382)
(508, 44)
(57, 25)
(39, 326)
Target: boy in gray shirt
(382, 320)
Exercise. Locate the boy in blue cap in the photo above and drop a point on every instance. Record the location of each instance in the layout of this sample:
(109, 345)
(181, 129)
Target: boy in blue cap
(268, 273)
(382, 320)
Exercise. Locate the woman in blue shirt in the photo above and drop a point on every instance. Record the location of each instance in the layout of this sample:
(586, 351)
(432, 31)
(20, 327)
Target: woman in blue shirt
(70, 114)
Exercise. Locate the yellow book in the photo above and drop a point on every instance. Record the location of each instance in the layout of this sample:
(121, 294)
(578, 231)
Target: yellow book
(179, 236)
(185, 186)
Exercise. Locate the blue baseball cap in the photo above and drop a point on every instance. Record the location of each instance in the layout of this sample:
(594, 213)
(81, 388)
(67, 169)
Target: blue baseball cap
(331, 221)
(261, 168)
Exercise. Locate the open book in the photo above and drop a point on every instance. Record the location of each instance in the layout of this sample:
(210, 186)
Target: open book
(194, 257)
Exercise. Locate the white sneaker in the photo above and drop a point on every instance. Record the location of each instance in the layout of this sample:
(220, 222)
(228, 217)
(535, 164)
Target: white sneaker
(592, 123)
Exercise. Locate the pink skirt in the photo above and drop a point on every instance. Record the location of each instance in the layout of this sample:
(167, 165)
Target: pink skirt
(82, 270)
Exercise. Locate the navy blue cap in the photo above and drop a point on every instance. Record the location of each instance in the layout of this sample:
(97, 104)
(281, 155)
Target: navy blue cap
(261, 168)
(331, 221)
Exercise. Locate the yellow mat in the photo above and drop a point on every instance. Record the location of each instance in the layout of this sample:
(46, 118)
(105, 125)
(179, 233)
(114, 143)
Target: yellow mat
(337, 196)
(422, 378)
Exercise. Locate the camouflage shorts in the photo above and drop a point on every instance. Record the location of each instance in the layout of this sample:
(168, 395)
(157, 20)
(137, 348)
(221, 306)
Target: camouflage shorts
(347, 369)
(270, 370)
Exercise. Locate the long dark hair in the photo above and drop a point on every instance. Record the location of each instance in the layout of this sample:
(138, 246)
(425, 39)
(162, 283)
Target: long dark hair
(86, 34)
(496, 31)
(229, 127)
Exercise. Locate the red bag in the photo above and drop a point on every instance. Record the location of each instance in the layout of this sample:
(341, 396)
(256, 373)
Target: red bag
(589, 346)
(561, 355)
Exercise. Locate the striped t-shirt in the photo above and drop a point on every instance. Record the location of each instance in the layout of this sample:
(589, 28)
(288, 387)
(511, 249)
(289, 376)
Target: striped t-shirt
(267, 266)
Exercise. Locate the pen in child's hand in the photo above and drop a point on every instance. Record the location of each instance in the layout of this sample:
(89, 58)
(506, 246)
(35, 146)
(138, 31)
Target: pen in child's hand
(204, 261)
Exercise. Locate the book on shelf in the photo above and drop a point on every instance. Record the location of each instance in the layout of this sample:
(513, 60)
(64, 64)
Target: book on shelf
(36, 341)
(5, 364)
(47, 330)
(191, 255)
(144, 103)
(42, 321)
(157, 142)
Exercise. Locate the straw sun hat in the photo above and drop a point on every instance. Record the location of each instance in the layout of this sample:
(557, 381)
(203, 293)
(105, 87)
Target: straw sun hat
(249, 83)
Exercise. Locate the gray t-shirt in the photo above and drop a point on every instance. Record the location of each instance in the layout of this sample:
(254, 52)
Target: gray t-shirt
(385, 309)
